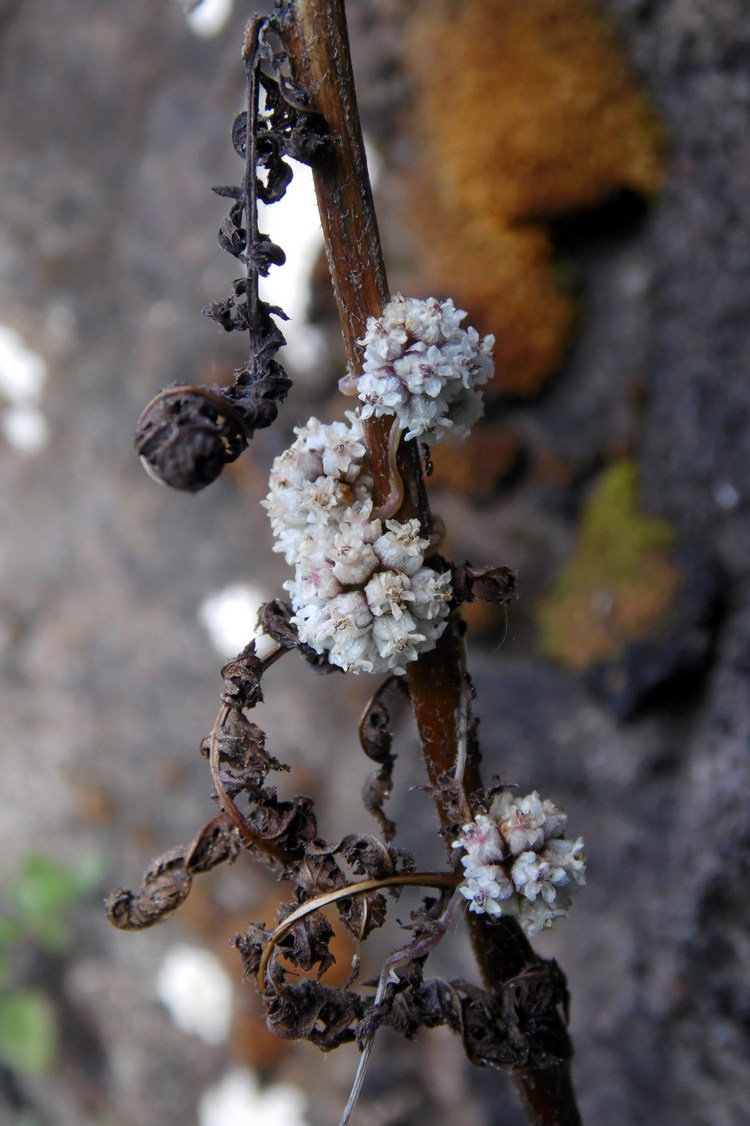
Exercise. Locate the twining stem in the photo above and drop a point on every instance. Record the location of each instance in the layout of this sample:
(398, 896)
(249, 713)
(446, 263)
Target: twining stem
(444, 880)
(251, 58)
(315, 36)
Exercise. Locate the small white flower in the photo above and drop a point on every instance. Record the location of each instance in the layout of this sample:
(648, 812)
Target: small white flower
(352, 557)
(352, 652)
(388, 592)
(533, 875)
(535, 917)
(432, 593)
(486, 889)
(555, 820)
(397, 641)
(401, 548)
(349, 612)
(343, 455)
(566, 857)
(521, 820)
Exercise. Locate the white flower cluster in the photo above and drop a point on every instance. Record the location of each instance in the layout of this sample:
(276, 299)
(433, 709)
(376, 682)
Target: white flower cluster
(423, 367)
(361, 593)
(517, 863)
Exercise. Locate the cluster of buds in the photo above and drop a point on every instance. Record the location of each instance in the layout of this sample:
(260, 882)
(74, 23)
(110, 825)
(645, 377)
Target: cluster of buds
(422, 367)
(361, 593)
(517, 862)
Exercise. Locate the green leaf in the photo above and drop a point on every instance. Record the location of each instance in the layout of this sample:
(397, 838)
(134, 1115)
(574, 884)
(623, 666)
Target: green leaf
(10, 931)
(44, 892)
(28, 1032)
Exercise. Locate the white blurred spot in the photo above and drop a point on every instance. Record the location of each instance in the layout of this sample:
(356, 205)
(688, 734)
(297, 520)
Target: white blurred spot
(374, 163)
(230, 617)
(208, 17)
(22, 372)
(237, 1099)
(163, 314)
(726, 496)
(22, 377)
(25, 428)
(192, 985)
(294, 224)
(61, 322)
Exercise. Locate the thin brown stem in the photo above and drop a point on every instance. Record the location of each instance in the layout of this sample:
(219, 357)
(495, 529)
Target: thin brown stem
(251, 839)
(315, 36)
(443, 880)
(251, 59)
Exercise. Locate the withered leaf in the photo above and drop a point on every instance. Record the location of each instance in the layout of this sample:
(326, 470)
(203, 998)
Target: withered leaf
(241, 678)
(310, 1010)
(306, 945)
(484, 584)
(167, 882)
(320, 871)
(229, 191)
(274, 617)
(370, 857)
(251, 946)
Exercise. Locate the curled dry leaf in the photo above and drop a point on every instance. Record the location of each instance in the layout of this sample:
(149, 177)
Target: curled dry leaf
(168, 881)
(484, 584)
(376, 739)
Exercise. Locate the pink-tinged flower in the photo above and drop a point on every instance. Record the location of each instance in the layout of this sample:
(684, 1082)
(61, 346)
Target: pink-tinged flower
(537, 879)
(481, 840)
(314, 581)
(534, 875)
(486, 890)
(521, 820)
(566, 858)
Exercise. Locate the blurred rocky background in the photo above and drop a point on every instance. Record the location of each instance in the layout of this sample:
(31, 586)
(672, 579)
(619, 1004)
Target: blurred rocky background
(576, 176)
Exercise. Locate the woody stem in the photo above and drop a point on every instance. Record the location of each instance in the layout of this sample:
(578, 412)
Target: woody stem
(315, 36)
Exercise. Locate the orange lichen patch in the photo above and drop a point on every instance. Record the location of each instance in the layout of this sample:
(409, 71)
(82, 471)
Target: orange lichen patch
(95, 804)
(477, 466)
(524, 111)
(620, 584)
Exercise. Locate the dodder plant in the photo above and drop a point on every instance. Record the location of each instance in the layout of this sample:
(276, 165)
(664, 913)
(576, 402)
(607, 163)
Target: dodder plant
(370, 594)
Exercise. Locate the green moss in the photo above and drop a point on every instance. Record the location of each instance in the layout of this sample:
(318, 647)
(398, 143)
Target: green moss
(621, 580)
(615, 533)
